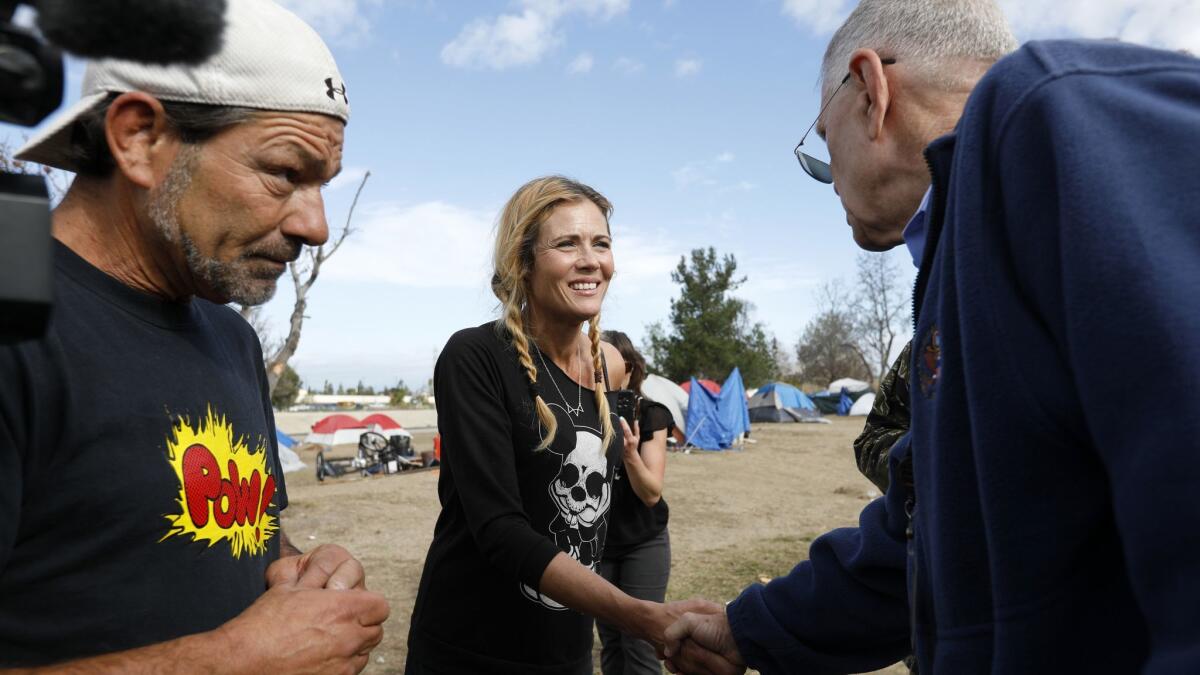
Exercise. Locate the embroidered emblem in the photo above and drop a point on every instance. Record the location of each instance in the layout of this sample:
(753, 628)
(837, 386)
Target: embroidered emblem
(330, 90)
(929, 362)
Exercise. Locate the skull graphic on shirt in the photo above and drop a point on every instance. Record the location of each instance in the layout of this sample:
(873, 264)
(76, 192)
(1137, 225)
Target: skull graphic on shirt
(582, 493)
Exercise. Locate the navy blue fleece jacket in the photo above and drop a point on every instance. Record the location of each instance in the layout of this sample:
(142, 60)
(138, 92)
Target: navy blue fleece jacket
(1055, 441)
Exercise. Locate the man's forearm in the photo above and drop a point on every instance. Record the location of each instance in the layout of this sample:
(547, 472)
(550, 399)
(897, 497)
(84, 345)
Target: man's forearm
(199, 654)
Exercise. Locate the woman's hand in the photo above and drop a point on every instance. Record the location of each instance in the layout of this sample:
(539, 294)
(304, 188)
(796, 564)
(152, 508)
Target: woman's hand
(632, 441)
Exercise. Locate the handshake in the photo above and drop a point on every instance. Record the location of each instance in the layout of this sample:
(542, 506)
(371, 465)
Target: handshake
(693, 637)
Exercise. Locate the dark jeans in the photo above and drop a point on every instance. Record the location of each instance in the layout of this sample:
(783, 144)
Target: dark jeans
(641, 573)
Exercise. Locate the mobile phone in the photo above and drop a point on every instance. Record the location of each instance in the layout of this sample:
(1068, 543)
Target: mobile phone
(629, 406)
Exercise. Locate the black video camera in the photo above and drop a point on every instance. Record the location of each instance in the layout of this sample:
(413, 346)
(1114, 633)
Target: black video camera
(31, 87)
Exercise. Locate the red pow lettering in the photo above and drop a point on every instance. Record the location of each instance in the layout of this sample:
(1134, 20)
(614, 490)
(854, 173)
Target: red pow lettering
(228, 500)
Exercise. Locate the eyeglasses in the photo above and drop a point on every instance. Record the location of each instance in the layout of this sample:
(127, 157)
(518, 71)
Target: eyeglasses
(811, 165)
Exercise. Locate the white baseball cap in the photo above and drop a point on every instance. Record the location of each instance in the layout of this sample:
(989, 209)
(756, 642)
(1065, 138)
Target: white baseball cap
(269, 60)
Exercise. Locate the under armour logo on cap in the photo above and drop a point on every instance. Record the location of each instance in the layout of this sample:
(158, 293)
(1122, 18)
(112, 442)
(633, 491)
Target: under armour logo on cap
(331, 90)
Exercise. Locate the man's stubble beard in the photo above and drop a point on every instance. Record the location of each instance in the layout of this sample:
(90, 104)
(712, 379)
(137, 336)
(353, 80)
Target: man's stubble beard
(228, 282)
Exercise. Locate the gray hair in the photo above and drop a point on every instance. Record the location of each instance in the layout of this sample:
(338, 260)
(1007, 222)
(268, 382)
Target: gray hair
(921, 33)
(193, 122)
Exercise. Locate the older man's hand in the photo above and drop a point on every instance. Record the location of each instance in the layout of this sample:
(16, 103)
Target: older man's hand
(702, 643)
(326, 566)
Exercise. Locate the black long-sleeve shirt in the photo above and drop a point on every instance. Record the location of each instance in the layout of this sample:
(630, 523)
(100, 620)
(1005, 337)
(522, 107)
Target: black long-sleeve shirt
(507, 510)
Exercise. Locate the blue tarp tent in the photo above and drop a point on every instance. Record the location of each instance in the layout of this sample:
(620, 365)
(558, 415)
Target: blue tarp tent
(845, 403)
(704, 425)
(780, 402)
(288, 459)
(787, 395)
(714, 421)
(731, 404)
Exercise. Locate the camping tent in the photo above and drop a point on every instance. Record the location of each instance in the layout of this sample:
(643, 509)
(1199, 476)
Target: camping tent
(827, 402)
(845, 403)
(851, 385)
(707, 384)
(382, 420)
(661, 390)
(731, 404)
(289, 461)
(863, 405)
(705, 429)
(340, 429)
(780, 402)
(715, 421)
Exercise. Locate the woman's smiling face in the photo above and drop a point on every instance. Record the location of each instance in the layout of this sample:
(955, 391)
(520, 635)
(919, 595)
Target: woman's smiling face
(572, 263)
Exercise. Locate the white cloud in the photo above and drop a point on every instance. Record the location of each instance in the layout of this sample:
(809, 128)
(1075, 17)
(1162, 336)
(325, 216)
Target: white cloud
(581, 64)
(428, 245)
(522, 38)
(350, 175)
(1170, 24)
(687, 67)
(335, 20)
(706, 173)
(819, 16)
(628, 66)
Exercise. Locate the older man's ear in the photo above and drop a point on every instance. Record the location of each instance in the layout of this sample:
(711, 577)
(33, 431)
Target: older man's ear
(142, 144)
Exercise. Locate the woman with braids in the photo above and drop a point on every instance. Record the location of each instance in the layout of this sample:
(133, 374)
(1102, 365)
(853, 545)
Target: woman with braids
(637, 553)
(529, 449)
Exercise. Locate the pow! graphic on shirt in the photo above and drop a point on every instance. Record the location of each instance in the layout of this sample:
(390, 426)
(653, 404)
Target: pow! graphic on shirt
(224, 487)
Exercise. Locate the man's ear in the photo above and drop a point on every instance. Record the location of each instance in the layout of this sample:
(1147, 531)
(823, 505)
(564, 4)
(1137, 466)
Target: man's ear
(867, 70)
(139, 138)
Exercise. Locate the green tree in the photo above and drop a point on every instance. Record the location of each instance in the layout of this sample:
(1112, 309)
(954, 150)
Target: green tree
(328, 388)
(397, 394)
(710, 330)
(286, 389)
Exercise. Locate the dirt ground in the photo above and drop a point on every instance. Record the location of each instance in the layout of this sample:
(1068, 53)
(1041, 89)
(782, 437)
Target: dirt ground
(737, 517)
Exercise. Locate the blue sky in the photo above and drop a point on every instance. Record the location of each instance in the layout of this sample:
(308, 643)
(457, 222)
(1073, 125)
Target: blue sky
(684, 113)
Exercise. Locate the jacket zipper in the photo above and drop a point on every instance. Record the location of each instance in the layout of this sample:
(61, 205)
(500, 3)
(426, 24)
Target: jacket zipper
(934, 220)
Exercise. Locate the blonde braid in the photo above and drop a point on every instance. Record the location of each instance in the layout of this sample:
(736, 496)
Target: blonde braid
(601, 400)
(516, 326)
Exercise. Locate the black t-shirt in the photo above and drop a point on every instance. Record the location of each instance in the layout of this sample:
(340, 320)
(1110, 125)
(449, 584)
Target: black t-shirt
(121, 520)
(632, 522)
(507, 510)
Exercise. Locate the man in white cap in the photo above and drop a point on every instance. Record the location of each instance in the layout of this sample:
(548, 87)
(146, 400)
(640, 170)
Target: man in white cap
(140, 491)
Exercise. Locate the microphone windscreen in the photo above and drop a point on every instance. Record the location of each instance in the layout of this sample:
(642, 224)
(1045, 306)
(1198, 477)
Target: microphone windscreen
(148, 31)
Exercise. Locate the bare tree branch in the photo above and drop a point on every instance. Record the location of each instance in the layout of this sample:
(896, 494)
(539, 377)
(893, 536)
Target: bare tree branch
(303, 278)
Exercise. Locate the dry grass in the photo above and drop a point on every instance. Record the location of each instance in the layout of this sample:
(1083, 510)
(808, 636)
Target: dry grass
(736, 517)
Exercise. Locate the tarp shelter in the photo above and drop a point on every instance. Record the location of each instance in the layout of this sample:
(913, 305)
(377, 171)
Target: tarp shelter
(661, 390)
(343, 429)
(705, 429)
(781, 402)
(731, 404)
(827, 402)
(289, 461)
(863, 405)
(714, 421)
(707, 384)
(851, 385)
(845, 403)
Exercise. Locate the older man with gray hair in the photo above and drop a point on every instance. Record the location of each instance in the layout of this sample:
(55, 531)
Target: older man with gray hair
(140, 490)
(1039, 519)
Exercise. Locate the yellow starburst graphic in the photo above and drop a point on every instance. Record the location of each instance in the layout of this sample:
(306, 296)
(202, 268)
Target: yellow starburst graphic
(224, 488)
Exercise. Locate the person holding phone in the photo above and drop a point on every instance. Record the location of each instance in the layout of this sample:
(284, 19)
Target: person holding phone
(530, 446)
(637, 555)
